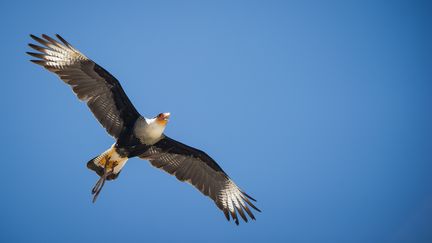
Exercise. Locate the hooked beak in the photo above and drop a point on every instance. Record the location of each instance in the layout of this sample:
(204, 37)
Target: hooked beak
(165, 116)
(162, 118)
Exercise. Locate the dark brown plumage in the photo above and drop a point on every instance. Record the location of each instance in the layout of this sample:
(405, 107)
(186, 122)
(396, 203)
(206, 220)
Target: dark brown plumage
(90, 82)
(200, 170)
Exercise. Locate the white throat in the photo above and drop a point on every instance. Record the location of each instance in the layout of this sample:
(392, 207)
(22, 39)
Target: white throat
(148, 130)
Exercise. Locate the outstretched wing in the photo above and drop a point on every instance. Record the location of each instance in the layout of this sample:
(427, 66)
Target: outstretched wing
(196, 167)
(90, 82)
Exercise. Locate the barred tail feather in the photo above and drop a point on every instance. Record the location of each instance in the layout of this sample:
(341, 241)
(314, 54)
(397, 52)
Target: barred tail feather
(92, 166)
(108, 166)
(108, 161)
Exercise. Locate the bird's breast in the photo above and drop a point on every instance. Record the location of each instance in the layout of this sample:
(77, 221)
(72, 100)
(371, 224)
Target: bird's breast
(148, 131)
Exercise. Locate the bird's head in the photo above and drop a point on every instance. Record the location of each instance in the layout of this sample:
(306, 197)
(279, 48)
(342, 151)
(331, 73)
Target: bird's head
(162, 118)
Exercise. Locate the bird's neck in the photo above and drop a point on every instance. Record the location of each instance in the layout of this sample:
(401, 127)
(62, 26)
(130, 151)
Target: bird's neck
(148, 131)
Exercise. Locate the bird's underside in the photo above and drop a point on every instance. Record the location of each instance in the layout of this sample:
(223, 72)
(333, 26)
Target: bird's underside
(135, 135)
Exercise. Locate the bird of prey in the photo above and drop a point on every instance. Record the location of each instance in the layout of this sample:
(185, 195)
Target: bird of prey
(135, 135)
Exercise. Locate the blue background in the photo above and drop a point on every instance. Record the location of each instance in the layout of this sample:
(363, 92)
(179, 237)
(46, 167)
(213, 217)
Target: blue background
(321, 110)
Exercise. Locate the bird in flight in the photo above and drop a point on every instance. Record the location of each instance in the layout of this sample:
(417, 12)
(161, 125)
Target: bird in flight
(136, 136)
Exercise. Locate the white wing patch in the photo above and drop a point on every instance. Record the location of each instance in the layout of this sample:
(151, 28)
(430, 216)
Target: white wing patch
(215, 184)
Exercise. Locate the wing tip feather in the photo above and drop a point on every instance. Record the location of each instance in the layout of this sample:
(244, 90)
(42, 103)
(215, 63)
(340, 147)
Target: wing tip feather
(225, 211)
(63, 40)
(251, 198)
(33, 37)
(39, 62)
(34, 54)
(53, 41)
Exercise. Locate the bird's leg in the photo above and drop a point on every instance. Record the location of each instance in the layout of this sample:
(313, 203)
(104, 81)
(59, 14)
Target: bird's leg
(100, 183)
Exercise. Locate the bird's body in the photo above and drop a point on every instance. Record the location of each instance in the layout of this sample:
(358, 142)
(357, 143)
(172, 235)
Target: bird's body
(136, 136)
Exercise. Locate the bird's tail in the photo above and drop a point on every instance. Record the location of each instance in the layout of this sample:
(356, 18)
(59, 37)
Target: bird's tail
(108, 166)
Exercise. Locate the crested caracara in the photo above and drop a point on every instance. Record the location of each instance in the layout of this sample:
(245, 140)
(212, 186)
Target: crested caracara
(135, 135)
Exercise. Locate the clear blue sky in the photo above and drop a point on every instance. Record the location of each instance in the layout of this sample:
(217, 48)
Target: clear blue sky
(321, 110)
